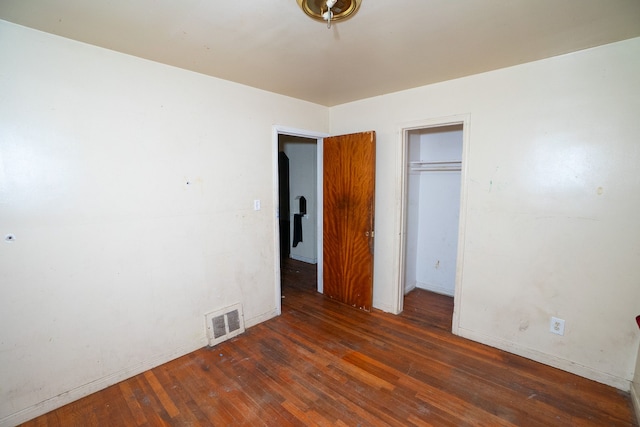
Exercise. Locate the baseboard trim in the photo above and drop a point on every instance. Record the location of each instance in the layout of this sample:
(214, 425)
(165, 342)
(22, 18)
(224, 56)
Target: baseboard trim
(62, 399)
(387, 308)
(409, 288)
(304, 259)
(260, 318)
(435, 288)
(547, 359)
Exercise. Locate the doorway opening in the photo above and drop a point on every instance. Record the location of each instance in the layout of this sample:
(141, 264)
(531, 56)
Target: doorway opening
(298, 197)
(432, 224)
(298, 207)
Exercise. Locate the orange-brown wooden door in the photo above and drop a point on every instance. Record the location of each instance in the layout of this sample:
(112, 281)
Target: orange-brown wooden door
(348, 202)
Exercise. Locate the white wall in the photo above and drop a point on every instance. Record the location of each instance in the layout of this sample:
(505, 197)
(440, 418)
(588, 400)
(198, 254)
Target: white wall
(303, 173)
(552, 204)
(129, 186)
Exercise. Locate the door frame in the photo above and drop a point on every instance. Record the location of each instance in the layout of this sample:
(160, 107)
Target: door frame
(401, 220)
(319, 137)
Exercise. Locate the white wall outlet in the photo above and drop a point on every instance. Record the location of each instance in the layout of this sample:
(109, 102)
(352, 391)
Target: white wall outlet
(256, 205)
(557, 326)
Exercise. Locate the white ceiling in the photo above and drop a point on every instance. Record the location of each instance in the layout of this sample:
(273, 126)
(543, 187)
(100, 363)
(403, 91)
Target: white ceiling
(386, 47)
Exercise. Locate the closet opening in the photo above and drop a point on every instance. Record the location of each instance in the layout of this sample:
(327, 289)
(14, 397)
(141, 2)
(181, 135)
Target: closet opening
(431, 203)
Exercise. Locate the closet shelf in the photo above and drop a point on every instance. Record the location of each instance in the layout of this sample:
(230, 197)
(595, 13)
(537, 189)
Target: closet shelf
(438, 166)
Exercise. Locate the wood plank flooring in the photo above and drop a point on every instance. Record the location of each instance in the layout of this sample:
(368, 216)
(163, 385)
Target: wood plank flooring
(322, 363)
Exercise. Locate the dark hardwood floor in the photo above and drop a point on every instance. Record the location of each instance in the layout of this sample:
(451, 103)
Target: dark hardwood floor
(322, 363)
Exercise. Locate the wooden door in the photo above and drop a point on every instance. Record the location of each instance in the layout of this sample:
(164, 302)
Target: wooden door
(348, 202)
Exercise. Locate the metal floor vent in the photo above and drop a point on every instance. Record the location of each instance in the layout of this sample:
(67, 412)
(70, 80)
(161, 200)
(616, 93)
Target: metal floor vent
(224, 324)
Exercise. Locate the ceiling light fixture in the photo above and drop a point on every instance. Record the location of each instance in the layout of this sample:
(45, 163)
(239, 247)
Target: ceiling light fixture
(329, 10)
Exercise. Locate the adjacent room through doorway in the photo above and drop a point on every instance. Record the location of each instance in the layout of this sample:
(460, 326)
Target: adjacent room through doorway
(297, 209)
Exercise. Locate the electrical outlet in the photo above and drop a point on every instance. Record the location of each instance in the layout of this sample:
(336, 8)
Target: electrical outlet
(256, 205)
(557, 326)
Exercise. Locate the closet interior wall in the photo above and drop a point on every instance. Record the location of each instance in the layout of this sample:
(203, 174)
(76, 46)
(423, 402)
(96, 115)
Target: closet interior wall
(433, 208)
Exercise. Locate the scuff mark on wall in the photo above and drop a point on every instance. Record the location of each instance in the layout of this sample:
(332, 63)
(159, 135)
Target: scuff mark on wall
(492, 178)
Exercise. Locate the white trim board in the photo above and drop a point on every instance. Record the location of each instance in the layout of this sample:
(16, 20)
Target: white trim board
(635, 399)
(547, 359)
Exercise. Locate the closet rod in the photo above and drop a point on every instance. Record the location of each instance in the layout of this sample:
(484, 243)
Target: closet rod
(435, 169)
(439, 162)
